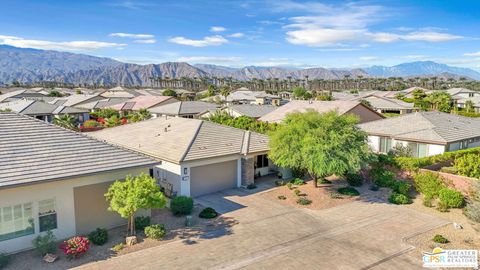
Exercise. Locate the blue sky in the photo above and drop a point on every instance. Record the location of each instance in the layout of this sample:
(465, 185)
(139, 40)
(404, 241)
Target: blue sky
(265, 33)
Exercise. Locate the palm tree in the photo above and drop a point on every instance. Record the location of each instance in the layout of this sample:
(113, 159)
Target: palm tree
(225, 92)
(66, 121)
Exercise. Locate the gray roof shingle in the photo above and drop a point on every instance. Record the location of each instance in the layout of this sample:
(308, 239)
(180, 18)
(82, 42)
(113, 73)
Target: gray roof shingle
(252, 110)
(426, 127)
(32, 151)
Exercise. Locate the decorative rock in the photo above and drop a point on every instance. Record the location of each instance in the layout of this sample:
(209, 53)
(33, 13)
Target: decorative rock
(457, 226)
(50, 258)
(131, 240)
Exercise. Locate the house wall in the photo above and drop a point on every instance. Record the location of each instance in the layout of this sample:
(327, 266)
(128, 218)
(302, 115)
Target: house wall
(374, 143)
(364, 114)
(433, 149)
(171, 173)
(63, 193)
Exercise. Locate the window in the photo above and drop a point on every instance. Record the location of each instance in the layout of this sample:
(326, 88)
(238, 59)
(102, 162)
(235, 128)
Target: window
(16, 221)
(385, 144)
(47, 216)
(262, 161)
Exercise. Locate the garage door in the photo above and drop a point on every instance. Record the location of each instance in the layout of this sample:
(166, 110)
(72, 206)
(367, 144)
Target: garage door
(214, 177)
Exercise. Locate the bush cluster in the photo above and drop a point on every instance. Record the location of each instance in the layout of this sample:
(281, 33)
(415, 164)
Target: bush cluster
(451, 198)
(382, 177)
(44, 244)
(401, 187)
(438, 238)
(75, 246)
(98, 237)
(297, 181)
(181, 205)
(354, 179)
(398, 198)
(468, 165)
(349, 191)
(141, 222)
(429, 184)
(303, 201)
(155, 231)
(282, 197)
(208, 213)
(413, 164)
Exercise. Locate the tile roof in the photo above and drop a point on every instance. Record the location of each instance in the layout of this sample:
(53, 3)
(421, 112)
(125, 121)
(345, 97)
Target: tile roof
(252, 110)
(426, 126)
(35, 107)
(388, 103)
(342, 106)
(177, 139)
(19, 94)
(141, 102)
(184, 107)
(32, 151)
(76, 99)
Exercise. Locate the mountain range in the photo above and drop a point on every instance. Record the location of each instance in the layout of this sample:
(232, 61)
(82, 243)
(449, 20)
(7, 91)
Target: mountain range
(32, 65)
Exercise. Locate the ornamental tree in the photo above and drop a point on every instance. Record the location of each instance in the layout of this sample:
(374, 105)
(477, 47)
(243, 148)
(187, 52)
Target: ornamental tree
(135, 193)
(320, 144)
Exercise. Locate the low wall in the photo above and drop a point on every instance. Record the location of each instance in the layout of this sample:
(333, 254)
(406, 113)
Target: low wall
(458, 182)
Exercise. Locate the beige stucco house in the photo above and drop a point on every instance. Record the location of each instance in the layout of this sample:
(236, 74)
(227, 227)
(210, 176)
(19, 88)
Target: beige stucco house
(425, 133)
(196, 157)
(55, 179)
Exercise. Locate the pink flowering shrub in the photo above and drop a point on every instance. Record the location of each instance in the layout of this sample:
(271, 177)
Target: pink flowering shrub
(75, 246)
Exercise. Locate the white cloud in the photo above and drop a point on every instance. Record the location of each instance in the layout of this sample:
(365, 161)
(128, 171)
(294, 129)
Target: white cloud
(236, 35)
(145, 41)
(206, 41)
(329, 25)
(209, 59)
(217, 29)
(415, 56)
(472, 54)
(369, 58)
(61, 46)
(135, 36)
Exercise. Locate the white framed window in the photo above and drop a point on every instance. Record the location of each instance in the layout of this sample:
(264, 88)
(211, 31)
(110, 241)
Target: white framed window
(47, 215)
(16, 221)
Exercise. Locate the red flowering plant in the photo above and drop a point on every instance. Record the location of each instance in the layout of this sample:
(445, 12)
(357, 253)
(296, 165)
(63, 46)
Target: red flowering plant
(75, 246)
(124, 121)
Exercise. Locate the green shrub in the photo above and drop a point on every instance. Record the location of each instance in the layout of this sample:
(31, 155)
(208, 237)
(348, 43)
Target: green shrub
(91, 124)
(4, 260)
(413, 164)
(382, 177)
(428, 183)
(468, 165)
(472, 210)
(297, 182)
(350, 191)
(282, 197)
(440, 239)
(398, 198)
(451, 197)
(155, 231)
(450, 170)
(98, 237)
(46, 243)
(296, 192)
(402, 187)
(323, 181)
(335, 195)
(181, 205)
(442, 207)
(298, 173)
(141, 222)
(251, 186)
(118, 247)
(208, 213)
(303, 201)
(383, 160)
(354, 179)
(280, 182)
(290, 185)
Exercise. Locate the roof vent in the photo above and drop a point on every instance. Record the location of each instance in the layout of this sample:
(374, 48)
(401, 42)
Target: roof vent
(165, 129)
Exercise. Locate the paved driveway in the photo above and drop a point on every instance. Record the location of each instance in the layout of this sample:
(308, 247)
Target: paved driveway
(357, 235)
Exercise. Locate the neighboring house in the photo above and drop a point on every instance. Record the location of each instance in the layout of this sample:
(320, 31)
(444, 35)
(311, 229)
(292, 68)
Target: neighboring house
(55, 179)
(250, 110)
(364, 113)
(23, 94)
(425, 133)
(102, 104)
(196, 157)
(253, 97)
(389, 105)
(143, 102)
(475, 100)
(77, 100)
(43, 111)
(119, 92)
(185, 109)
(462, 93)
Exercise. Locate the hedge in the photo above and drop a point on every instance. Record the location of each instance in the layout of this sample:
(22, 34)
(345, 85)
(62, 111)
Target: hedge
(413, 164)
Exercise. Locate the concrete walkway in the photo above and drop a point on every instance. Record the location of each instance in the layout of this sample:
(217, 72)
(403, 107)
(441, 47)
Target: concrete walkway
(357, 235)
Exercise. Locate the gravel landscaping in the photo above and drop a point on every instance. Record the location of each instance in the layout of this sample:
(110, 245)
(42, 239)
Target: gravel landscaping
(176, 230)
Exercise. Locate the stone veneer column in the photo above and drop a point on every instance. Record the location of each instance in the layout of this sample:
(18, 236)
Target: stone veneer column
(248, 171)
